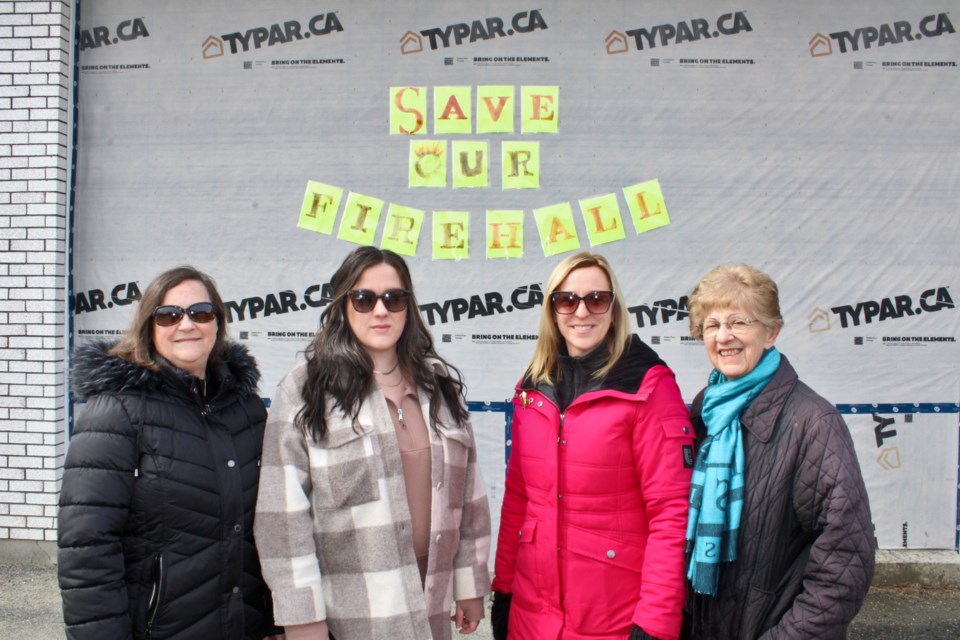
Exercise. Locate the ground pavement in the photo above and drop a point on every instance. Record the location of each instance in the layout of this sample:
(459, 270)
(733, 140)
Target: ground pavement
(912, 601)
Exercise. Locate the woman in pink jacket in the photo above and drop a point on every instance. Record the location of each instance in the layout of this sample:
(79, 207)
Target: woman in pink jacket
(592, 529)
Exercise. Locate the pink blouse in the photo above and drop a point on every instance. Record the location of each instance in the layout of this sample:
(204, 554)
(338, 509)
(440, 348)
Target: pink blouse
(414, 442)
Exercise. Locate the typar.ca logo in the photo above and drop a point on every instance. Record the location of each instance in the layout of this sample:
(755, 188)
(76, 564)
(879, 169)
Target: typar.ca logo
(275, 34)
(889, 459)
(454, 35)
(212, 47)
(820, 45)
(91, 300)
(818, 321)
(897, 32)
(411, 42)
(101, 36)
(315, 296)
(616, 42)
(893, 308)
(660, 312)
(662, 35)
(488, 303)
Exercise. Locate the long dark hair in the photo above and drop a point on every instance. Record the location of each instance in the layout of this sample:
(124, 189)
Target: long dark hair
(136, 344)
(339, 367)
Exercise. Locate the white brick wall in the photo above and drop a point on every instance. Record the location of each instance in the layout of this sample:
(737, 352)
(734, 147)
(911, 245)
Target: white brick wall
(35, 77)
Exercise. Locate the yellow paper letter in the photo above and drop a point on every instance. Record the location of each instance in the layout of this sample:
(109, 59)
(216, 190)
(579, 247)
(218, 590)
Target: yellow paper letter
(558, 233)
(360, 218)
(320, 205)
(470, 164)
(602, 218)
(504, 234)
(428, 163)
(540, 109)
(647, 207)
(408, 106)
(402, 231)
(451, 235)
(451, 108)
(520, 163)
(495, 109)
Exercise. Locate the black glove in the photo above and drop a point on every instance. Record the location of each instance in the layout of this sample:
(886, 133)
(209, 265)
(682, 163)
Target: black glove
(500, 614)
(639, 634)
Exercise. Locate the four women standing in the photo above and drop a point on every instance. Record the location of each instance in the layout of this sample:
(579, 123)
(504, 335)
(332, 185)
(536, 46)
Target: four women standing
(372, 516)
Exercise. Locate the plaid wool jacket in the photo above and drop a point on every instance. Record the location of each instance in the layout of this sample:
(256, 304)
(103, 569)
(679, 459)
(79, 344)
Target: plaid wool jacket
(333, 527)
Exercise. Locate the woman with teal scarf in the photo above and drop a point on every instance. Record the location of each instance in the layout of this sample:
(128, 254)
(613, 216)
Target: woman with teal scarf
(779, 536)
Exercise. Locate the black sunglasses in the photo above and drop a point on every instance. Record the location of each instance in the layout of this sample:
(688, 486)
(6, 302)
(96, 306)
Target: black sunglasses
(364, 300)
(568, 302)
(168, 315)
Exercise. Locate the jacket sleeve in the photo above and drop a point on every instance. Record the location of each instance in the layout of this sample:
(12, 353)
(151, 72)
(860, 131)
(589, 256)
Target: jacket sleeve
(663, 450)
(283, 526)
(831, 499)
(511, 513)
(98, 481)
(471, 575)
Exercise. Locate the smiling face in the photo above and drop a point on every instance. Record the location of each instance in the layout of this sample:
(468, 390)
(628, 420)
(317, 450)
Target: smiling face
(736, 354)
(377, 331)
(186, 345)
(581, 330)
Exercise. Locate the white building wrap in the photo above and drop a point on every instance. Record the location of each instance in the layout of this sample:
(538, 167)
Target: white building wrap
(818, 141)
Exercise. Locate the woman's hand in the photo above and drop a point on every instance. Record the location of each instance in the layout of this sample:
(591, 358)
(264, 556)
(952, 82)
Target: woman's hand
(311, 631)
(467, 615)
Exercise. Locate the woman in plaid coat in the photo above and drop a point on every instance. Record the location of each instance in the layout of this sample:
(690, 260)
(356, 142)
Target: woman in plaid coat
(372, 517)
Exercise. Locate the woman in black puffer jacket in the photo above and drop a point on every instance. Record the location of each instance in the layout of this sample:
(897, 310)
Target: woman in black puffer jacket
(160, 480)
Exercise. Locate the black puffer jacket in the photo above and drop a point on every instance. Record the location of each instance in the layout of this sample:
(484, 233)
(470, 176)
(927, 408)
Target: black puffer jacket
(805, 551)
(156, 511)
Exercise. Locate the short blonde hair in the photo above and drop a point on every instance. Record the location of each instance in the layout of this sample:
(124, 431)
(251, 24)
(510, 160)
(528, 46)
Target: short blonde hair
(544, 364)
(737, 286)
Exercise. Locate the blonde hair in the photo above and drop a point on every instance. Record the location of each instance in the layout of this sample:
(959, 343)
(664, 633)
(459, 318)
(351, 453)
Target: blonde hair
(545, 362)
(736, 286)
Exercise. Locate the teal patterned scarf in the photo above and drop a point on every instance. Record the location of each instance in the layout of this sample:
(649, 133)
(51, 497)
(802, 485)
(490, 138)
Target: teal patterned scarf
(716, 493)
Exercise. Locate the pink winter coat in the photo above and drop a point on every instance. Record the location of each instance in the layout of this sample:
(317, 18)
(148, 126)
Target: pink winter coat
(594, 513)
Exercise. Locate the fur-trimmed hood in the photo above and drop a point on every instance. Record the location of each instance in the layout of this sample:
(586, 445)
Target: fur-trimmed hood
(95, 370)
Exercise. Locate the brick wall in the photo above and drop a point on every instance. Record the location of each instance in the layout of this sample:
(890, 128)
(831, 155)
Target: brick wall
(35, 91)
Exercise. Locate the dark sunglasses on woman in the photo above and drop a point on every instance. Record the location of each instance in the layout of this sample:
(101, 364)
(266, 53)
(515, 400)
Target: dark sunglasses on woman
(567, 301)
(168, 315)
(364, 300)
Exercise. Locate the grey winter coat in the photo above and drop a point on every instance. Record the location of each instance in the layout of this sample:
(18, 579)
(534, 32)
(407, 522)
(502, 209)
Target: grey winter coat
(156, 511)
(806, 548)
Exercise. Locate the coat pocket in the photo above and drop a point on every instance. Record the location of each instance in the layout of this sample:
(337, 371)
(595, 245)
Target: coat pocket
(528, 577)
(789, 587)
(608, 553)
(346, 469)
(604, 578)
(457, 446)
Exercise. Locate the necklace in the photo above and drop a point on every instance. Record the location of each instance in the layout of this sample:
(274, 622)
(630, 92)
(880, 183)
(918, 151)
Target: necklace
(386, 373)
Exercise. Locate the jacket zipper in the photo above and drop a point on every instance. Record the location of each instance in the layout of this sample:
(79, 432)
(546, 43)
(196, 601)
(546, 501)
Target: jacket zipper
(559, 507)
(153, 604)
